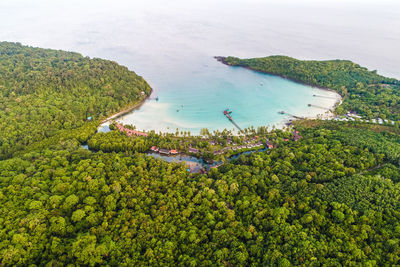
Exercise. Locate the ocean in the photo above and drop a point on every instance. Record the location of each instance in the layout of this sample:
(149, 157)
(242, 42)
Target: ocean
(172, 45)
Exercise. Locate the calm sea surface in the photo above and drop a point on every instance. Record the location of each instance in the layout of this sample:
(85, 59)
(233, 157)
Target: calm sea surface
(172, 44)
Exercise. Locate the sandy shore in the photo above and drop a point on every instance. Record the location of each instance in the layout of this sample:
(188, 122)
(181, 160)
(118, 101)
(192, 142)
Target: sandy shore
(125, 111)
(321, 106)
(326, 106)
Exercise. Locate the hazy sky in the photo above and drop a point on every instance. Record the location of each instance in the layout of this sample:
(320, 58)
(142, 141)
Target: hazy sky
(132, 32)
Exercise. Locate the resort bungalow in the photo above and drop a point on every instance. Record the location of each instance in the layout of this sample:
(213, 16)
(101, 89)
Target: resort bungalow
(193, 150)
(296, 136)
(154, 149)
(173, 151)
(218, 152)
(132, 132)
(129, 132)
(120, 127)
(164, 151)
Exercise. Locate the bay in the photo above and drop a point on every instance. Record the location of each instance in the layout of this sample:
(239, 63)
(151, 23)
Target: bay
(172, 44)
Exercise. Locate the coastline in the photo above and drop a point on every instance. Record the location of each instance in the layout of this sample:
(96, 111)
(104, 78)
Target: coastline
(223, 61)
(328, 114)
(126, 110)
(322, 109)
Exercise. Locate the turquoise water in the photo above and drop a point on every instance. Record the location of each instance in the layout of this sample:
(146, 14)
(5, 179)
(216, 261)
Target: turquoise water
(197, 100)
(172, 44)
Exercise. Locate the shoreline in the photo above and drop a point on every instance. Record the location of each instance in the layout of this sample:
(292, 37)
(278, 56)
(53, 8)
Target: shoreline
(312, 113)
(126, 110)
(331, 113)
(223, 61)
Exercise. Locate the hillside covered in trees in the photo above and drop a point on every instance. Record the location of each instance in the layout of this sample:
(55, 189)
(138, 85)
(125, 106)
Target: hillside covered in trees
(325, 200)
(43, 91)
(365, 92)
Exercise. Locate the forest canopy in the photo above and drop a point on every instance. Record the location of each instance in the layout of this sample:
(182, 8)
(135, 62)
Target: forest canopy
(43, 91)
(330, 198)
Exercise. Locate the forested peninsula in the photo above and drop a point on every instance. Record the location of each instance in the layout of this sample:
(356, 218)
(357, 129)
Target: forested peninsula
(329, 198)
(365, 92)
(43, 92)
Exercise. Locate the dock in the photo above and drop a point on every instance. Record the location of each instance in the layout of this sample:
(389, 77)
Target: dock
(227, 113)
(324, 96)
(316, 106)
(290, 115)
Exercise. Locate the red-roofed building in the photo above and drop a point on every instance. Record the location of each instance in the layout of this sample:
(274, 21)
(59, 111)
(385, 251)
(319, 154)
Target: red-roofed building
(129, 132)
(296, 136)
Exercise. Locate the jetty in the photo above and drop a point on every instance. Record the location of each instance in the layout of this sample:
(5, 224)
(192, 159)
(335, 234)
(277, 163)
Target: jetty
(291, 115)
(324, 96)
(227, 113)
(316, 106)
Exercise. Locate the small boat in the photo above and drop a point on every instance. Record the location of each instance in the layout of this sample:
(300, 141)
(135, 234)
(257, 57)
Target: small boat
(281, 112)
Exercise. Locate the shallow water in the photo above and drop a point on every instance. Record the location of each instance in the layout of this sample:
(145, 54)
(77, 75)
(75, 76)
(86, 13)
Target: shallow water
(198, 100)
(172, 44)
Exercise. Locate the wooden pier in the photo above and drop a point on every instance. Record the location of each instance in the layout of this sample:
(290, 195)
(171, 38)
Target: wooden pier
(324, 96)
(311, 105)
(290, 115)
(237, 126)
(226, 113)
